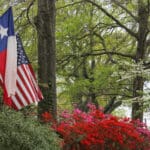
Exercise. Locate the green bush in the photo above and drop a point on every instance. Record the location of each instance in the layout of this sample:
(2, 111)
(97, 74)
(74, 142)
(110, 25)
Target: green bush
(20, 133)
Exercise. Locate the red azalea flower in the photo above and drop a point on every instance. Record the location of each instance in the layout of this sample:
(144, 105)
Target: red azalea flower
(47, 117)
(99, 131)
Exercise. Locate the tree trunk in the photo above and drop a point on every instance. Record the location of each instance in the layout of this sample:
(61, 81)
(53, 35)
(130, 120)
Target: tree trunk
(137, 104)
(138, 83)
(45, 23)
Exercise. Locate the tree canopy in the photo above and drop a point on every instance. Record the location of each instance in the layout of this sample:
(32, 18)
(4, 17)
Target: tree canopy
(102, 51)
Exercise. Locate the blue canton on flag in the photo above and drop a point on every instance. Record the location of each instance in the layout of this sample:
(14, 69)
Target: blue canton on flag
(21, 55)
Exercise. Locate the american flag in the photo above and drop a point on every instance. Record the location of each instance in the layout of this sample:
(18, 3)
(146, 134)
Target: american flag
(27, 91)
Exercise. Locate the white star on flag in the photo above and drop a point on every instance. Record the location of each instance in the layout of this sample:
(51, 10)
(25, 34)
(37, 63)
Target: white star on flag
(3, 31)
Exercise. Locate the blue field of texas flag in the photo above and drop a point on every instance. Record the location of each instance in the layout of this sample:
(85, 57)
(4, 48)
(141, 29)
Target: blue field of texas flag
(8, 53)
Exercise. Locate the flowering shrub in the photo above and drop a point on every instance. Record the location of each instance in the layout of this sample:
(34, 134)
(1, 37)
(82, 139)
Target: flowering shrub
(99, 131)
(47, 117)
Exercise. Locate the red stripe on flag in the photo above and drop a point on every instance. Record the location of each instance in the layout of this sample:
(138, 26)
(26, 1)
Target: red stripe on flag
(38, 91)
(32, 87)
(18, 103)
(25, 84)
(20, 90)
(3, 63)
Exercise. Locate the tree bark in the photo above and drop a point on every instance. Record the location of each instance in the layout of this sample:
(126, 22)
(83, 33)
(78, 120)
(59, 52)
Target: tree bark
(137, 104)
(45, 23)
(138, 83)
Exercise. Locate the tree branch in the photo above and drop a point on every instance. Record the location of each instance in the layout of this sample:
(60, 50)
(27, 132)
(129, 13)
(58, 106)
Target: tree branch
(21, 14)
(107, 53)
(124, 8)
(28, 9)
(111, 106)
(105, 49)
(71, 4)
(114, 19)
(27, 13)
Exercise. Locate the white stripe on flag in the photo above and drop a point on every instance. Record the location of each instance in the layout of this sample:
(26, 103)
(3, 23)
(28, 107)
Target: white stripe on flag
(31, 83)
(19, 93)
(25, 90)
(11, 66)
(16, 102)
(35, 84)
(27, 82)
(33, 79)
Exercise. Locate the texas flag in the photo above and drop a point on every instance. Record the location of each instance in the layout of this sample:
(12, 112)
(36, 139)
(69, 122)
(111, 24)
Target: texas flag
(8, 53)
(17, 77)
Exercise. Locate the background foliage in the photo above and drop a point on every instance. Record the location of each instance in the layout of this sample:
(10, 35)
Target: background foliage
(95, 54)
